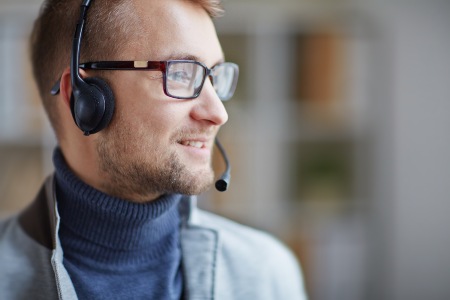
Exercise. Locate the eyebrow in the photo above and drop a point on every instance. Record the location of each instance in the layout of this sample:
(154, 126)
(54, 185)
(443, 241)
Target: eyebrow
(187, 56)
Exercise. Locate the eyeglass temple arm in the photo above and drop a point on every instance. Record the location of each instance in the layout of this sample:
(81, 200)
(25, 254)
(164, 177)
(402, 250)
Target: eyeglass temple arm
(55, 88)
(114, 65)
(124, 65)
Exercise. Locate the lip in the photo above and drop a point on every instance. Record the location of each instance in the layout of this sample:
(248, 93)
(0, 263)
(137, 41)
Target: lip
(205, 141)
(196, 146)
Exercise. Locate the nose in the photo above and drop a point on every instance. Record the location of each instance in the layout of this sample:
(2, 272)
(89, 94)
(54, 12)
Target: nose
(208, 106)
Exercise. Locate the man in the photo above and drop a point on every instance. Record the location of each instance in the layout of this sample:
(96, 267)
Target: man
(116, 220)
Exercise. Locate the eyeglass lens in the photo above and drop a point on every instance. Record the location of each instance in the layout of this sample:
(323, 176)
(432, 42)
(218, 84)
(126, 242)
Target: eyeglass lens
(185, 79)
(224, 80)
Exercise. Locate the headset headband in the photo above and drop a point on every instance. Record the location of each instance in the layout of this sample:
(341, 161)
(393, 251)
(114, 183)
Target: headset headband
(75, 60)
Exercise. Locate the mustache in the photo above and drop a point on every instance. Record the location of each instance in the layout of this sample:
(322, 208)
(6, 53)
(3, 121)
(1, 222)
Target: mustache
(186, 133)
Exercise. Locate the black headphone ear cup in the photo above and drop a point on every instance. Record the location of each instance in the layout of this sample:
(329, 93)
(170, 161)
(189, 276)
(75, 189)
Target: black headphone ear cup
(109, 101)
(93, 109)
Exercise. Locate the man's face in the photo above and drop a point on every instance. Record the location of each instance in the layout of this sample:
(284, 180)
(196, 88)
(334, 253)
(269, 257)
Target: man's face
(156, 144)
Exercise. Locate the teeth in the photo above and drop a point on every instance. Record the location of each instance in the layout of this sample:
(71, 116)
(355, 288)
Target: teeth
(192, 144)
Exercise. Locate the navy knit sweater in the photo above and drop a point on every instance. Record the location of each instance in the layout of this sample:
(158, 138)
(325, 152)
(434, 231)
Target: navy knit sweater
(116, 249)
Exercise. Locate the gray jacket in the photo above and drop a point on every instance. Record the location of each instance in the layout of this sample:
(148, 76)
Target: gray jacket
(221, 259)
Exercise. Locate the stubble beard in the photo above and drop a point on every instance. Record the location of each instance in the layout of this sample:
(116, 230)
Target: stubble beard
(137, 171)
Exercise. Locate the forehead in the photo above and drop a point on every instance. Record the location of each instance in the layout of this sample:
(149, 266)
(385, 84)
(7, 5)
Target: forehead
(170, 28)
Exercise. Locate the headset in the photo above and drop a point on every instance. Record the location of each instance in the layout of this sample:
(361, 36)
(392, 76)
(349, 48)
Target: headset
(92, 101)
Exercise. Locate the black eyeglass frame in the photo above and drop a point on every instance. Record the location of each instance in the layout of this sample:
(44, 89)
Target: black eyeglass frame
(158, 66)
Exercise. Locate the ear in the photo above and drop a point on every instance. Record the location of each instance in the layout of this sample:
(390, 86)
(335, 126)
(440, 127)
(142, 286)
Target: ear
(66, 85)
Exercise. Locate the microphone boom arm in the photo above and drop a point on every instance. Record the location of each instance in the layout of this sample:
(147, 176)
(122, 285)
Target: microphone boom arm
(224, 181)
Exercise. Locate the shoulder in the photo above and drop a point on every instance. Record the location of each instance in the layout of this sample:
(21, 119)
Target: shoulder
(252, 255)
(243, 238)
(9, 231)
(26, 266)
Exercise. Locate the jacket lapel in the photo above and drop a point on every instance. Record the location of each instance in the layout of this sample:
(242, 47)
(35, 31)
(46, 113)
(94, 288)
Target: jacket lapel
(41, 222)
(199, 255)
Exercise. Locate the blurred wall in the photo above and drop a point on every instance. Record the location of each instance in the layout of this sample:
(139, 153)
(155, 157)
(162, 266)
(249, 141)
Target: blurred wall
(337, 137)
(418, 261)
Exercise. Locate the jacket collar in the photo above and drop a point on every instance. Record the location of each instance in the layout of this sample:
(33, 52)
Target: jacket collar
(199, 244)
(39, 219)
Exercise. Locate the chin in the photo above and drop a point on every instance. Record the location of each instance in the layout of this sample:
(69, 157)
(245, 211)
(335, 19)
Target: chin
(202, 182)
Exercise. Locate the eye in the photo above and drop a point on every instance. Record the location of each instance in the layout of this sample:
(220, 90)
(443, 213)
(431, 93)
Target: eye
(179, 76)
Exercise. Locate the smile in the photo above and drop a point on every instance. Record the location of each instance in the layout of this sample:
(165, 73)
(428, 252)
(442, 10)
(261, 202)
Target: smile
(195, 144)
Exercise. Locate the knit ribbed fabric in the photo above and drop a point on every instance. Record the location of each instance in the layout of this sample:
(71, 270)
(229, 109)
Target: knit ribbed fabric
(116, 249)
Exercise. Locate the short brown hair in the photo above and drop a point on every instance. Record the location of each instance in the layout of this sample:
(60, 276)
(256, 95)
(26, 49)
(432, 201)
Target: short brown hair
(108, 22)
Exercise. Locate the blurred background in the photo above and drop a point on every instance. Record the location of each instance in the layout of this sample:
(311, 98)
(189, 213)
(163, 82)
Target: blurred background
(337, 137)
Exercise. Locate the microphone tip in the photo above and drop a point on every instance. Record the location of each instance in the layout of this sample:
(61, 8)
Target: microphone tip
(221, 185)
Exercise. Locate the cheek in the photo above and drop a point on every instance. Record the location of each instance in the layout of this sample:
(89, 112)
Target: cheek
(142, 106)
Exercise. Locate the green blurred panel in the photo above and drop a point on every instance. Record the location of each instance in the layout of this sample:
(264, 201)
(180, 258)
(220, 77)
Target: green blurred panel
(322, 172)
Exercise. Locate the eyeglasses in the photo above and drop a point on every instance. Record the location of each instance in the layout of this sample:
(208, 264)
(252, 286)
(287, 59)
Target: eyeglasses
(182, 79)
